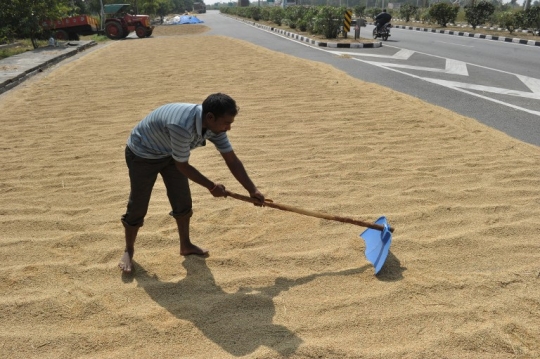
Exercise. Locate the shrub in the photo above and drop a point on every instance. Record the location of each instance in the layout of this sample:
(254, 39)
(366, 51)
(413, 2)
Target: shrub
(329, 20)
(443, 13)
(532, 18)
(276, 15)
(407, 11)
(508, 20)
(478, 13)
(359, 10)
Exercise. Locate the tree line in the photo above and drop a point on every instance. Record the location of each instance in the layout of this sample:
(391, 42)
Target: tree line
(22, 19)
(317, 19)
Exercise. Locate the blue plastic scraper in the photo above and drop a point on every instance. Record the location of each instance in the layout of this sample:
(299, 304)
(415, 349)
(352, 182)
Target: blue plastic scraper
(378, 242)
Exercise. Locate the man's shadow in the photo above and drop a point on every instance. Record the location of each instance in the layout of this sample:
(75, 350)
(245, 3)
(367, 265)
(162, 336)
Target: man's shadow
(238, 322)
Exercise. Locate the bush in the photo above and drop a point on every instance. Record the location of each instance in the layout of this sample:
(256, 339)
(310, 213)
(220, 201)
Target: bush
(532, 19)
(359, 10)
(373, 12)
(293, 15)
(443, 13)
(329, 20)
(478, 13)
(508, 20)
(276, 15)
(407, 11)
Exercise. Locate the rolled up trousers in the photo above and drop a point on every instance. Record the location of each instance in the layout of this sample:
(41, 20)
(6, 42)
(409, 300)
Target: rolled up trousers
(143, 173)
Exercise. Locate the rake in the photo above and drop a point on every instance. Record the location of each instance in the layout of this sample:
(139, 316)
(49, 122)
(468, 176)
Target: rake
(377, 236)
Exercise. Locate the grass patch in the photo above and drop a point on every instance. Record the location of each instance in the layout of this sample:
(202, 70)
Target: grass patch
(22, 46)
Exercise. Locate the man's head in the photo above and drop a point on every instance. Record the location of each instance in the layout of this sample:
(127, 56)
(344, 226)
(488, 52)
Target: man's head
(218, 111)
(383, 10)
(219, 104)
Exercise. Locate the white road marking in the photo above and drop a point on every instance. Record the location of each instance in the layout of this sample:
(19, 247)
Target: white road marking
(451, 43)
(530, 82)
(497, 90)
(460, 89)
(456, 67)
(453, 67)
(402, 54)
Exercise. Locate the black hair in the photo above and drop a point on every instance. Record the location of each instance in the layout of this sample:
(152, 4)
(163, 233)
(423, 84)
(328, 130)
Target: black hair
(219, 104)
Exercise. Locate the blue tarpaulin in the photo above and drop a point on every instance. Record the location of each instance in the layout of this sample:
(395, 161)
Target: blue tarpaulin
(186, 19)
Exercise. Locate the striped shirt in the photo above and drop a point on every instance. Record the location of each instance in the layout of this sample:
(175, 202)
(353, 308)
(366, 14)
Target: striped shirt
(173, 130)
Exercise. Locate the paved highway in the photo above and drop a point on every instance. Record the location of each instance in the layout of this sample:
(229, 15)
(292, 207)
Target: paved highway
(497, 83)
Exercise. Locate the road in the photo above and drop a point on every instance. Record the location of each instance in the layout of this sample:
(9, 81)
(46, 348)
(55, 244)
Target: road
(497, 83)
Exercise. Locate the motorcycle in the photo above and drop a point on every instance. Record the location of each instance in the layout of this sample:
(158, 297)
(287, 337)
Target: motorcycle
(384, 32)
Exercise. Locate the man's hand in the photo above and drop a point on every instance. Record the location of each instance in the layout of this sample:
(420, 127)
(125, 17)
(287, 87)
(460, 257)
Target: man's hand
(259, 196)
(218, 190)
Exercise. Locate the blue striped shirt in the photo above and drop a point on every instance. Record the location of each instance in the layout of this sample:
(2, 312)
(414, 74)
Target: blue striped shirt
(173, 130)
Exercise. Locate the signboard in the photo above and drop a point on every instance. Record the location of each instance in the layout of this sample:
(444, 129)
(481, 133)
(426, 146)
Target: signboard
(347, 21)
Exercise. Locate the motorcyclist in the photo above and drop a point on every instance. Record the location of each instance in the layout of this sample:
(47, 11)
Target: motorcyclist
(382, 19)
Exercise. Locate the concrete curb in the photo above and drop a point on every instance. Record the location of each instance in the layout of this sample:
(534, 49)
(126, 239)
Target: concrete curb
(17, 69)
(293, 35)
(468, 34)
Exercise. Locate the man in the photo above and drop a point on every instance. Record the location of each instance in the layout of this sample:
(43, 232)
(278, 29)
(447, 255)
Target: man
(161, 143)
(382, 19)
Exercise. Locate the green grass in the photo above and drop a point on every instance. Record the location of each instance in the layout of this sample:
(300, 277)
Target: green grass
(24, 45)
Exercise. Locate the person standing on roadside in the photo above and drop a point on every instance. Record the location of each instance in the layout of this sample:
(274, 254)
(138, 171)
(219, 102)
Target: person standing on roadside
(161, 144)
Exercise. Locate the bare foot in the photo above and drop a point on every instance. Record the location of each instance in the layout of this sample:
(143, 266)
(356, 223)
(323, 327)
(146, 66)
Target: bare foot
(190, 249)
(125, 263)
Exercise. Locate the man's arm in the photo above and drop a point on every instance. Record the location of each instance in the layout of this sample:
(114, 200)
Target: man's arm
(239, 172)
(193, 174)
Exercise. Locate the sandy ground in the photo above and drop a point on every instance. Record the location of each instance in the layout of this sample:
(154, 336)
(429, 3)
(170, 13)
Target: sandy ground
(462, 279)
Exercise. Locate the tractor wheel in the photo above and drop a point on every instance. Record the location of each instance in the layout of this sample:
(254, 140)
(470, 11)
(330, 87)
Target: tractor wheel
(74, 36)
(149, 33)
(61, 35)
(140, 31)
(114, 31)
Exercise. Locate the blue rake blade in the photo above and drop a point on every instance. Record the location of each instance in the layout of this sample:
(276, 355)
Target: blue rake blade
(377, 244)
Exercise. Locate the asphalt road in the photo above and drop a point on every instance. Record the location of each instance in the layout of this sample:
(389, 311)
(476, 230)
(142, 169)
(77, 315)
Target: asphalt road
(496, 83)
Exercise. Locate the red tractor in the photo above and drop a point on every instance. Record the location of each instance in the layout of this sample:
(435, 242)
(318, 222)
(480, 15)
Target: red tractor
(120, 23)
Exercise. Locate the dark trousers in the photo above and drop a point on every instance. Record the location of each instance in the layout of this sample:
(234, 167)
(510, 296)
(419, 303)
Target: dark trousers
(379, 25)
(142, 176)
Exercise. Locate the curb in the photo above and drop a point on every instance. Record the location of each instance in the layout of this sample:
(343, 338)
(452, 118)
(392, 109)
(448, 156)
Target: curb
(468, 34)
(20, 76)
(293, 35)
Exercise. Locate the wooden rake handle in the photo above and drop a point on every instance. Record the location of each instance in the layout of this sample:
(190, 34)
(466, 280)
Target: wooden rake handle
(284, 207)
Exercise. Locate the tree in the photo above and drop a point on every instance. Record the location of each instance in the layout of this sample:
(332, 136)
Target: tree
(23, 18)
(150, 7)
(532, 19)
(478, 13)
(508, 20)
(359, 10)
(407, 11)
(164, 8)
(443, 13)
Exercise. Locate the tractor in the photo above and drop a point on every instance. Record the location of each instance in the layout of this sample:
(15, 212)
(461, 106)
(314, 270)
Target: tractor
(120, 23)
